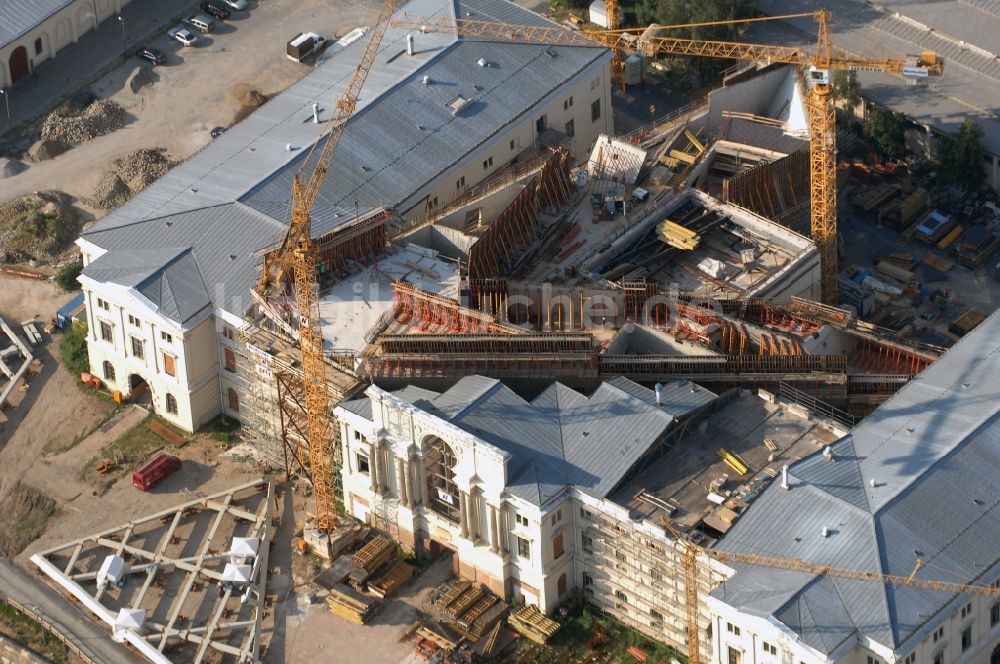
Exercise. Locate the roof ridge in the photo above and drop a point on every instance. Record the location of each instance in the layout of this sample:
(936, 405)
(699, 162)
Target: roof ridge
(134, 222)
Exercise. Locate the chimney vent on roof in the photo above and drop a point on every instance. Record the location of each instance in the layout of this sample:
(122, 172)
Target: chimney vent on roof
(315, 113)
(873, 483)
(784, 476)
(427, 80)
(409, 44)
(828, 453)
(482, 62)
(458, 104)
(659, 393)
(825, 532)
(288, 147)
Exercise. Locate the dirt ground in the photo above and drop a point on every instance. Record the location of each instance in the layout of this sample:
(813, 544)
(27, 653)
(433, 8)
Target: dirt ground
(192, 94)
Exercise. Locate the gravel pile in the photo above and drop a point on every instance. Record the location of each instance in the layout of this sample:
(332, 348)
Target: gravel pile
(130, 174)
(101, 117)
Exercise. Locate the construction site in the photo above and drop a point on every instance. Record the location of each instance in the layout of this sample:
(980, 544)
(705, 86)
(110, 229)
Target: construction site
(578, 369)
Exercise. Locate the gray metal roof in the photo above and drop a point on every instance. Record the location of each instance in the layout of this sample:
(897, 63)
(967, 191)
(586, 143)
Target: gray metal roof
(242, 179)
(964, 33)
(18, 17)
(561, 437)
(916, 479)
(221, 243)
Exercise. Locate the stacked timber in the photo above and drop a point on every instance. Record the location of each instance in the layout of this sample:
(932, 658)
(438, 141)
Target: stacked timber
(534, 624)
(349, 604)
(397, 575)
(369, 558)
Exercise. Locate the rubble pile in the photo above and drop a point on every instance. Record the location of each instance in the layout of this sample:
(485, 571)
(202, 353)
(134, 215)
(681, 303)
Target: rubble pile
(37, 224)
(103, 116)
(130, 174)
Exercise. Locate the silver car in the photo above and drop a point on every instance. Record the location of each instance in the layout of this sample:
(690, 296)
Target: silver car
(238, 5)
(183, 35)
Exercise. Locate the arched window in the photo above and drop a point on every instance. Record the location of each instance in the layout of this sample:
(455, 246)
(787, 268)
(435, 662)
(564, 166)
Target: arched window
(439, 464)
(38, 46)
(171, 404)
(109, 371)
(234, 400)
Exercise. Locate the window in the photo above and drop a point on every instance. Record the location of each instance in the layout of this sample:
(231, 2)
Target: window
(171, 404)
(656, 616)
(357, 435)
(938, 633)
(557, 546)
(595, 83)
(621, 556)
(439, 469)
(732, 629)
(460, 183)
(873, 660)
(567, 104)
(134, 321)
(735, 656)
(362, 462)
(595, 110)
(521, 520)
(995, 614)
(561, 585)
(967, 609)
(109, 371)
(967, 638)
(656, 574)
(234, 400)
(621, 596)
(557, 517)
(512, 144)
(584, 514)
(588, 543)
(488, 164)
(227, 332)
(136, 347)
(230, 359)
(523, 548)
(910, 659)
(939, 657)
(169, 338)
(540, 124)
(769, 648)
(106, 331)
(103, 304)
(169, 365)
(38, 46)
(570, 129)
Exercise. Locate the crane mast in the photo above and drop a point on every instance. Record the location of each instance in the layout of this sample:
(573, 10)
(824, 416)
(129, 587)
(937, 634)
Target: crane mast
(819, 101)
(296, 255)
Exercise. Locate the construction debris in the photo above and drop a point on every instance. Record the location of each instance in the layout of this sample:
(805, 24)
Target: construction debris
(392, 580)
(533, 624)
(128, 176)
(99, 118)
(351, 605)
(369, 558)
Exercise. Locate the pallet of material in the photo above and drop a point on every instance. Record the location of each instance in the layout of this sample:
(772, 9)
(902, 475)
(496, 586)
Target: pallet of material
(936, 262)
(350, 605)
(870, 198)
(472, 595)
(479, 608)
(534, 624)
(489, 617)
(369, 558)
(966, 322)
(440, 634)
(397, 575)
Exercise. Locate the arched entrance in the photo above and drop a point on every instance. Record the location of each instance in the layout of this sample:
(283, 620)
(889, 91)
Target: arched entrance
(138, 390)
(18, 64)
(439, 468)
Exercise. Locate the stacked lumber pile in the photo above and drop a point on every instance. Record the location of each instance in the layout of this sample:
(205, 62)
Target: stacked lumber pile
(532, 623)
(439, 634)
(389, 582)
(349, 604)
(369, 558)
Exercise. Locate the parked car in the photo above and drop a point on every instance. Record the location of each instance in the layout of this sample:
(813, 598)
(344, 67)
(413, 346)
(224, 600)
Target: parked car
(238, 5)
(154, 470)
(183, 35)
(216, 9)
(218, 131)
(201, 23)
(154, 55)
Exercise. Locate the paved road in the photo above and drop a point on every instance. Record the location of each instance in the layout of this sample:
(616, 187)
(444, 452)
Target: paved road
(93, 641)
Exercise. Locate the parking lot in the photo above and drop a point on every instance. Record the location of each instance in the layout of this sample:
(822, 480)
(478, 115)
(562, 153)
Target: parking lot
(192, 91)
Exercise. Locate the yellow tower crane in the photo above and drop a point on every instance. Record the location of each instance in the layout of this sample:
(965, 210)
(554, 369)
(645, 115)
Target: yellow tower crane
(652, 43)
(296, 256)
(692, 551)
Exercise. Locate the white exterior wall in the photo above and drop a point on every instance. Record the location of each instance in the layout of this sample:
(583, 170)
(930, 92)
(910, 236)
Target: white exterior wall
(940, 636)
(62, 28)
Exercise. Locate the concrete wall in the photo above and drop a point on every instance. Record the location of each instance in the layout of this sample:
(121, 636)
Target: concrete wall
(754, 95)
(62, 28)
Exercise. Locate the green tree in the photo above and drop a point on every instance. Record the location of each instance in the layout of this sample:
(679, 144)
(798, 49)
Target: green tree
(73, 349)
(66, 276)
(960, 156)
(886, 130)
(848, 91)
(676, 12)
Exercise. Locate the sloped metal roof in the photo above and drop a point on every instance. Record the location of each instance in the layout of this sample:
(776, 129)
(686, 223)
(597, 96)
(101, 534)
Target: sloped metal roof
(916, 479)
(18, 17)
(561, 437)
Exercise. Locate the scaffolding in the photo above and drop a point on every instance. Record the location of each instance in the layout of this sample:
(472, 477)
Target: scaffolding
(637, 576)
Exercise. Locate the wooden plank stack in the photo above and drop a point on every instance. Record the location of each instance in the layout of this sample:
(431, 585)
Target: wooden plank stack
(465, 601)
(369, 558)
(389, 582)
(534, 624)
(350, 605)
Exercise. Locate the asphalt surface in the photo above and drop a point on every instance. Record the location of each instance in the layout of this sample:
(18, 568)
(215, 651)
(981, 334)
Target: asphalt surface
(93, 641)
